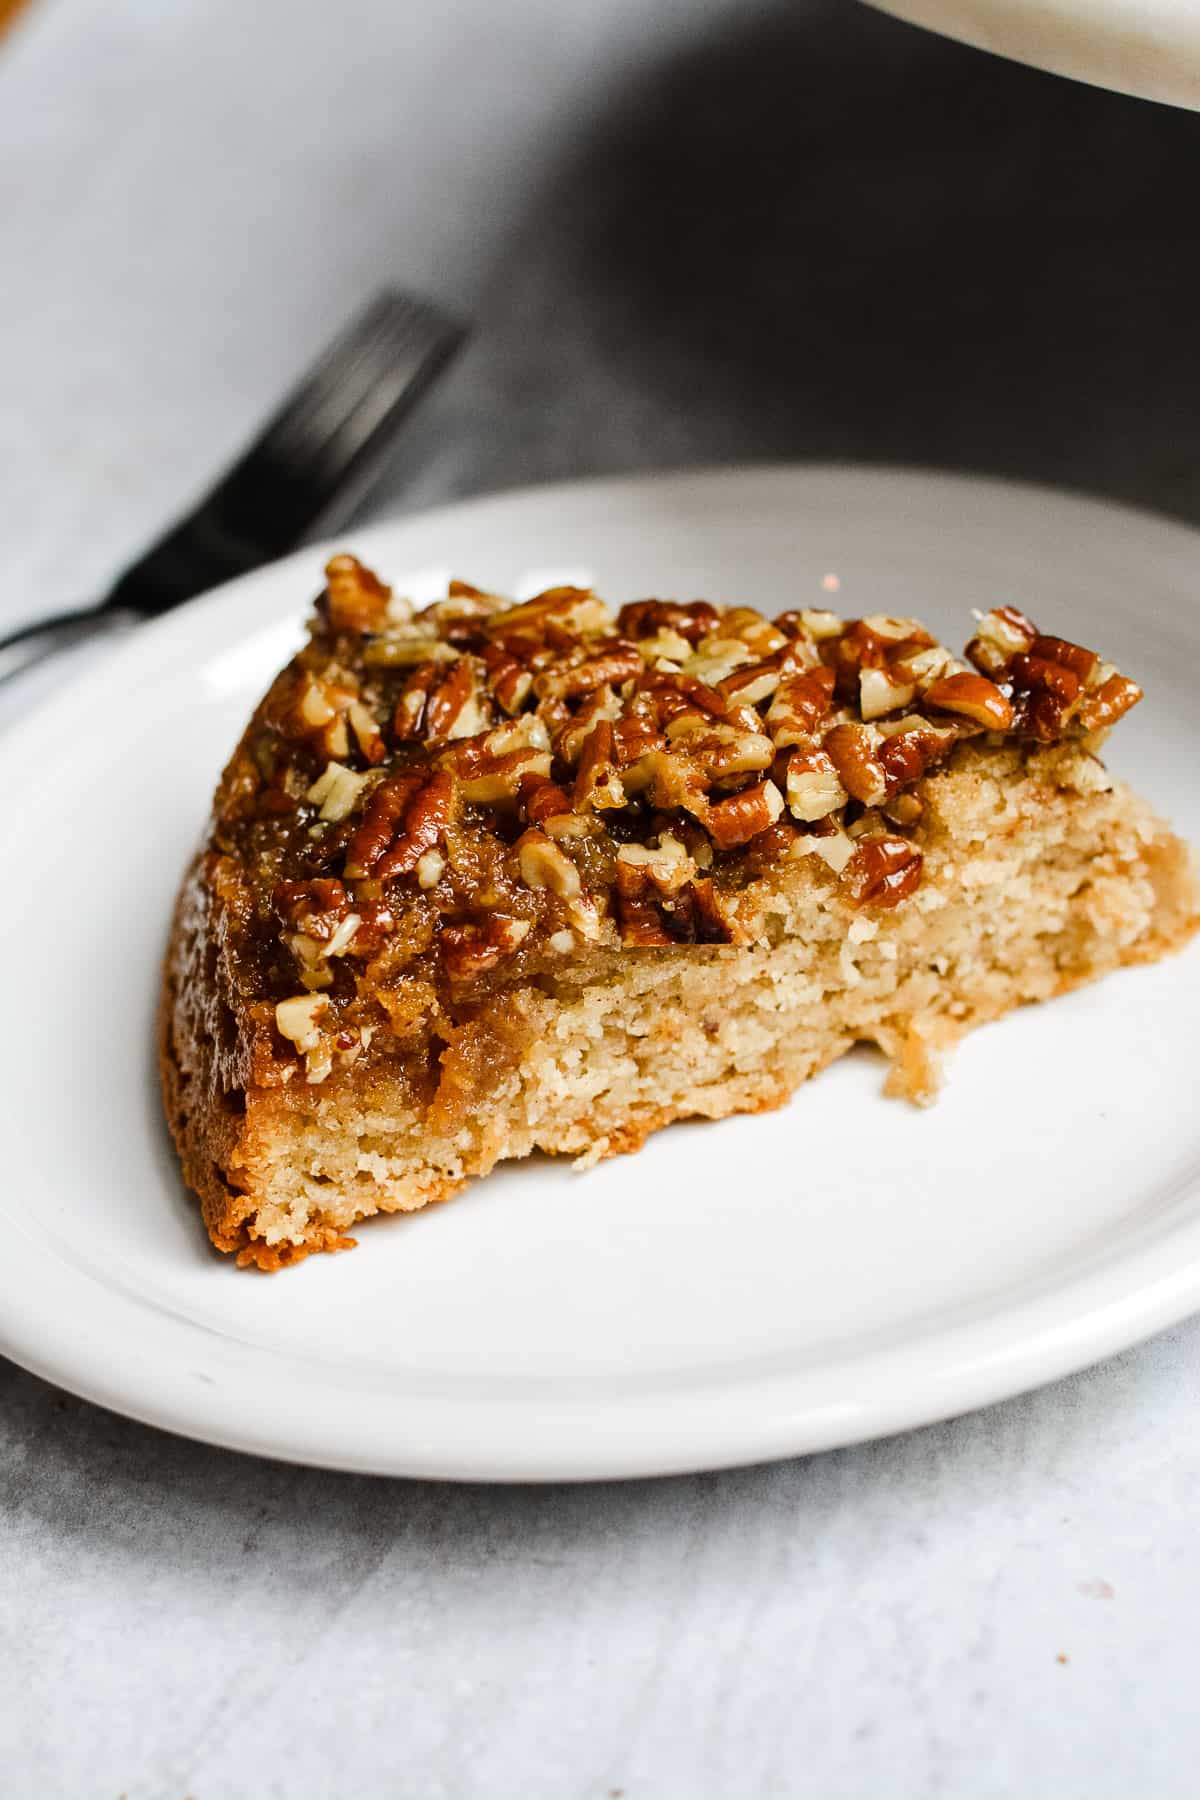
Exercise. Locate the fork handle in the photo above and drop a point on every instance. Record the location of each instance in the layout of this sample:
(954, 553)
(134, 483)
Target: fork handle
(21, 649)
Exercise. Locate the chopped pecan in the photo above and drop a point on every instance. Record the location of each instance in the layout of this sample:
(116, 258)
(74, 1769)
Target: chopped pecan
(378, 825)
(883, 871)
(821, 624)
(853, 750)
(616, 663)
(575, 612)
(296, 902)
(1003, 633)
(664, 695)
(855, 649)
(354, 598)
(458, 617)
(1044, 696)
(692, 915)
(904, 809)
(709, 925)
(597, 783)
(365, 727)
(493, 767)
(475, 947)
(542, 799)
(641, 924)
(906, 755)
(716, 659)
(454, 709)
(899, 633)
(750, 628)
(303, 1019)
(740, 817)
(752, 684)
(408, 719)
(646, 618)
(1108, 702)
(507, 679)
(971, 697)
(544, 865)
(1081, 662)
(337, 791)
(643, 870)
(720, 750)
(318, 713)
(799, 706)
(812, 785)
(634, 736)
(881, 691)
(569, 738)
(407, 646)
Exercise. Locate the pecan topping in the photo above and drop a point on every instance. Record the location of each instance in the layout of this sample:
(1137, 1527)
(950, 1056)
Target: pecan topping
(479, 778)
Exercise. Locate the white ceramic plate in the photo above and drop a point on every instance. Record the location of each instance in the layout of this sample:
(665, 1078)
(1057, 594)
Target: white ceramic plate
(737, 1291)
(1150, 48)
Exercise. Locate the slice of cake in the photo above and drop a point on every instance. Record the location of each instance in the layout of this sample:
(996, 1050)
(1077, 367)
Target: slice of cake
(489, 879)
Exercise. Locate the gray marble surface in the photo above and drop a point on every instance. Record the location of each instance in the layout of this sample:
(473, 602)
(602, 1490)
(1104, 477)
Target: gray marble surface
(690, 232)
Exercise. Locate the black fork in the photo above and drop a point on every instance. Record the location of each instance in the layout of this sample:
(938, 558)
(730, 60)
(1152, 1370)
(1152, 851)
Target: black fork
(308, 465)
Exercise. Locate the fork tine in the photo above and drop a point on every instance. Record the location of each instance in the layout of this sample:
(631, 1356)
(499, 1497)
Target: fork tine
(324, 438)
(374, 347)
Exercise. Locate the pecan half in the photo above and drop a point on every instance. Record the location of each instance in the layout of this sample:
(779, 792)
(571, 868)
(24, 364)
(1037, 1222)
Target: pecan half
(407, 815)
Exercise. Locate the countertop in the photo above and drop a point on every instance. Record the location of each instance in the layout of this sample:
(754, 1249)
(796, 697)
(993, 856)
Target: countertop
(695, 232)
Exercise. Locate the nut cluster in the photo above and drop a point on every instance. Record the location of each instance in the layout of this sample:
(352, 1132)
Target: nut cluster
(537, 775)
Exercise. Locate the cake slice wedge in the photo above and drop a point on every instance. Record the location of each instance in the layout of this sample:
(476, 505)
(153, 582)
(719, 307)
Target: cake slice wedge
(491, 878)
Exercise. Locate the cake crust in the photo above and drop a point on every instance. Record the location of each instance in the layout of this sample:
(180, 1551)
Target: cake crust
(489, 880)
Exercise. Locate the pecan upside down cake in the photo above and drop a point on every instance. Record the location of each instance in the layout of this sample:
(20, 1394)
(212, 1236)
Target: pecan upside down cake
(493, 878)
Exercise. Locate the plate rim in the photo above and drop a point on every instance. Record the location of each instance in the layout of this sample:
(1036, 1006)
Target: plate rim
(1085, 1317)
